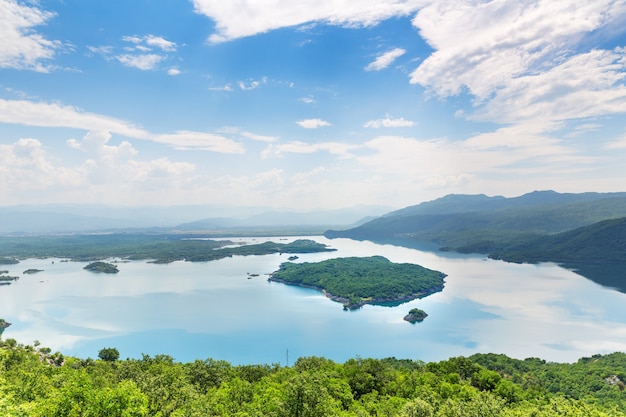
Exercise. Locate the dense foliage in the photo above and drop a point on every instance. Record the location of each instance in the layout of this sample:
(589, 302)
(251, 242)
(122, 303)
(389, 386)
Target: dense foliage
(356, 280)
(103, 267)
(34, 382)
(161, 248)
(600, 242)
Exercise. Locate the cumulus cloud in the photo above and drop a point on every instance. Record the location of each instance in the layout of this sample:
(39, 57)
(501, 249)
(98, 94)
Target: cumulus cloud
(389, 122)
(28, 172)
(173, 71)
(41, 114)
(21, 46)
(248, 17)
(499, 52)
(313, 123)
(384, 60)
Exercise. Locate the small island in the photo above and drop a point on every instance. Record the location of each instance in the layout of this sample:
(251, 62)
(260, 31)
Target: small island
(357, 281)
(32, 271)
(415, 315)
(103, 267)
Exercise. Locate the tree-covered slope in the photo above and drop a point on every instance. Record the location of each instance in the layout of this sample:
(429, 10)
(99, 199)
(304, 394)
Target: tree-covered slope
(600, 242)
(36, 383)
(486, 223)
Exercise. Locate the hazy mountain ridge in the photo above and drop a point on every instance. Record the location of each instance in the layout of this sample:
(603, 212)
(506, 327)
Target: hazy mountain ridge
(484, 224)
(97, 218)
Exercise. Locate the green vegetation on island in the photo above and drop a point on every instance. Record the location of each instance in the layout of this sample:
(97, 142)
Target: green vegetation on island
(415, 315)
(31, 271)
(356, 281)
(37, 383)
(104, 267)
(159, 248)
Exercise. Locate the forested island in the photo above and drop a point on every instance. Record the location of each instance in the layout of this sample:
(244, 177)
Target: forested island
(103, 267)
(356, 281)
(37, 383)
(415, 315)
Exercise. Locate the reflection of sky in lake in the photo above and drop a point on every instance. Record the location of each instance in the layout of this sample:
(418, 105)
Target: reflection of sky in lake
(216, 309)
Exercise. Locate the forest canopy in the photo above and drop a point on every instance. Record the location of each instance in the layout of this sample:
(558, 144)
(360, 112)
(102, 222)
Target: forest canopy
(35, 382)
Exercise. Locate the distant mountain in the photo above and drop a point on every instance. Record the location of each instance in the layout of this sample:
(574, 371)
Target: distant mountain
(482, 224)
(349, 217)
(45, 219)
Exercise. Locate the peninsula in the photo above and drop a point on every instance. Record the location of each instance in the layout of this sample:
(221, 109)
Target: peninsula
(356, 281)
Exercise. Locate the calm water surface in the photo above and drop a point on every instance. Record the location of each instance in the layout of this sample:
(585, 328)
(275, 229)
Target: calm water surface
(215, 309)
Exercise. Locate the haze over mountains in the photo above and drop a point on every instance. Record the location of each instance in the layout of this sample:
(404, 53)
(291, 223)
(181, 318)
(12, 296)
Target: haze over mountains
(42, 219)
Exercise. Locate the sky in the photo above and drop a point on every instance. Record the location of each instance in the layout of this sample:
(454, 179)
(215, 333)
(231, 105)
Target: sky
(308, 104)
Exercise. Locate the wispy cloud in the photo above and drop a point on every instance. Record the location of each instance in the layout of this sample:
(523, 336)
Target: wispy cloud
(389, 122)
(56, 115)
(297, 147)
(249, 17)
(144, 62)
(522, 61)
(141, 52)
(313, 123)
(384, 60)
(252, 84)
(21, 46)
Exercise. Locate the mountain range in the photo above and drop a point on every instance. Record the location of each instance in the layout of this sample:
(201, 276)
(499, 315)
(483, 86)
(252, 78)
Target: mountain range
(538, 226)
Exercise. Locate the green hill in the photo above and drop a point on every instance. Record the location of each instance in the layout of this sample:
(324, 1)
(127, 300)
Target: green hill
(604, 241)
(484, 224)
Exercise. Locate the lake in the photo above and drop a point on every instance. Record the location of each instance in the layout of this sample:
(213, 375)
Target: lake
(219, 310)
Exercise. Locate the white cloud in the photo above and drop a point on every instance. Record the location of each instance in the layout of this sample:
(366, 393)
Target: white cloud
(143, 62)
(260, 138)
(21, 46)
(28, 172)
(519, 59)
(160, 43)
(313, 123)
(56, 115)
(384, 60)
(148, 41)
(389, 122)
(584, 85)
(297, 147)
(253, 84)
(307, 100)
(249, 17)
(141, 53)
(226, 87)
(185, 140)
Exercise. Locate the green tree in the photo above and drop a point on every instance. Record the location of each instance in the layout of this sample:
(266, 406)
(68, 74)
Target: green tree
(109, 354)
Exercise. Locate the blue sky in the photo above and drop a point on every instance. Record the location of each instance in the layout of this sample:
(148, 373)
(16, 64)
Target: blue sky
(308, 104)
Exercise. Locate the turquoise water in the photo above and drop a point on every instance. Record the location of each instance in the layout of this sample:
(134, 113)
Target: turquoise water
(215, 309)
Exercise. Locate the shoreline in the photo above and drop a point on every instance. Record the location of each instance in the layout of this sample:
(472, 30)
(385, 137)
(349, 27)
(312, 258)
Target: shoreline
(355, 306)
